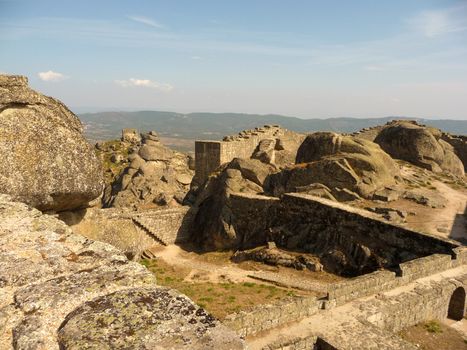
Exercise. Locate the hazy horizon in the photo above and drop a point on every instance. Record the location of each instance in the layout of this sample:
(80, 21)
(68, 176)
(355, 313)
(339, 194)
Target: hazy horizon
(308, 59)
(97, 110)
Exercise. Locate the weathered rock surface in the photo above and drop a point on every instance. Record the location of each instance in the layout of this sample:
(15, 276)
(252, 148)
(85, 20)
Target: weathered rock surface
(419, 145)
(358, 167)
(61, 290)
(131, 136)
(212, 227)
(46, 162)
(280, 151)
(156, 176)
(277, 257)
(433, 200)
(459, 143)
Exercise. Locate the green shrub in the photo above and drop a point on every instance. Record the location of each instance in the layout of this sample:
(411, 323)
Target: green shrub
(433, 327)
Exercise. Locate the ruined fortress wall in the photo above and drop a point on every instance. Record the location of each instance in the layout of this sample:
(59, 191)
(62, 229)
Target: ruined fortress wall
(428, 301)
(425, 266)
(167, 225)
(209, 155)
(460, 256)
(207, 158)
(261, 208)
(383, 281)
(131, 232)
(305, 214)
(113, 226)
(270, 316)
(355, 222)
(362, 286)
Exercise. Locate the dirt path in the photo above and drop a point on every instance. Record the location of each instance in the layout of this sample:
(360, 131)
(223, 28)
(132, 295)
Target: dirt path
(453, 213)
(200, 270)
(226, 271)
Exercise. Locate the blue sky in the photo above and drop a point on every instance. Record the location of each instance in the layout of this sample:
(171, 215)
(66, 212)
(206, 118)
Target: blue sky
(312, 59)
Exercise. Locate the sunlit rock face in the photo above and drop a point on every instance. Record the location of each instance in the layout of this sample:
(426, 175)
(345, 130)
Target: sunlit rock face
(46, 161)
(60, 290)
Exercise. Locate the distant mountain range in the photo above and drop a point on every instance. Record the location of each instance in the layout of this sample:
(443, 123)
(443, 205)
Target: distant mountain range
(213, 126)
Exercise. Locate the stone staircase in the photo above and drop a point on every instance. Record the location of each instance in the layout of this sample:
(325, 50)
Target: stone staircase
(148, 253)
(143, 224)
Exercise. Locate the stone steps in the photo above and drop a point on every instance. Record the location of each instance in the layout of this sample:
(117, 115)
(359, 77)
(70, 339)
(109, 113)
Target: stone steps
(149, 253)
(148, 230)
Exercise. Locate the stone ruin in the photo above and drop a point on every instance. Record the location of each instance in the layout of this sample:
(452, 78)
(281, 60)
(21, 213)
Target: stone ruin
(70, 288)
(209, 155)
(399, 277)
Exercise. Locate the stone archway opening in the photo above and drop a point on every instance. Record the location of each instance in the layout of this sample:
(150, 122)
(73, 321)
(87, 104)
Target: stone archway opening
(456, 309)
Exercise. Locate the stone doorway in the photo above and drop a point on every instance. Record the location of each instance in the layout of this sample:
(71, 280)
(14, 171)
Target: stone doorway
(456, 309)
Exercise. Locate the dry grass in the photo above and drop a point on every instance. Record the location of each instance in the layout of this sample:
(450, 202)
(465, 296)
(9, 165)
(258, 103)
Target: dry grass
(219, 299)
(434, 335)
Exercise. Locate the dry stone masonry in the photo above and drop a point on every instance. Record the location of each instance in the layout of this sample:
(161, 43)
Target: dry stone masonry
(209, 155)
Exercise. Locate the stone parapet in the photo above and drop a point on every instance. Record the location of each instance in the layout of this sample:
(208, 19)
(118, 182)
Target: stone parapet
(270, 316)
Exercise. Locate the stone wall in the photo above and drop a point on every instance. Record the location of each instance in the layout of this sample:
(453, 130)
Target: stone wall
(209, 155)
(168, 225)
(426, 301)
(132, 232)
(361, 225)
(315, 225)
(383, 281)
(253, 214)
(375, 282)
(112, 226)
(270, 316)
(426, 266)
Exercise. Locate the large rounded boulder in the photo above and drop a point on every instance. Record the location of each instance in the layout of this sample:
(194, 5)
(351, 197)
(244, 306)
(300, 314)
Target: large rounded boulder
(349, 166)
(419, 145)
(46, 162)
(215, 225)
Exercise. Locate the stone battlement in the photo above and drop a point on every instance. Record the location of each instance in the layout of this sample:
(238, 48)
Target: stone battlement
(209, 155)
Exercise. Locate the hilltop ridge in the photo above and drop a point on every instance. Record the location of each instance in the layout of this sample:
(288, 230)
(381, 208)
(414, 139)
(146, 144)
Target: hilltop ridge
(174, 127)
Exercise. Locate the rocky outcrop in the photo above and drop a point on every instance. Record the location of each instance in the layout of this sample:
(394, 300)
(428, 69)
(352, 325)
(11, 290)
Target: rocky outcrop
(131, 136)
(358, 167)
(271, 255)
(156, 176)
(61, 290)
(46, 162)
(213, 223)
(419, 145)
(280, 151)
(459, 143)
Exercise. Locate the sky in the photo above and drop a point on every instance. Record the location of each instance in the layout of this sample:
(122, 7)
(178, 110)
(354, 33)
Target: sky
(304, 58)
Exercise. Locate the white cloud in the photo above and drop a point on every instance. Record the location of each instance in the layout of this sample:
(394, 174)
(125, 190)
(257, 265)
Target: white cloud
(148, 21)
(196, 58)
(132, 82)
(439, 22)
(51, 76)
